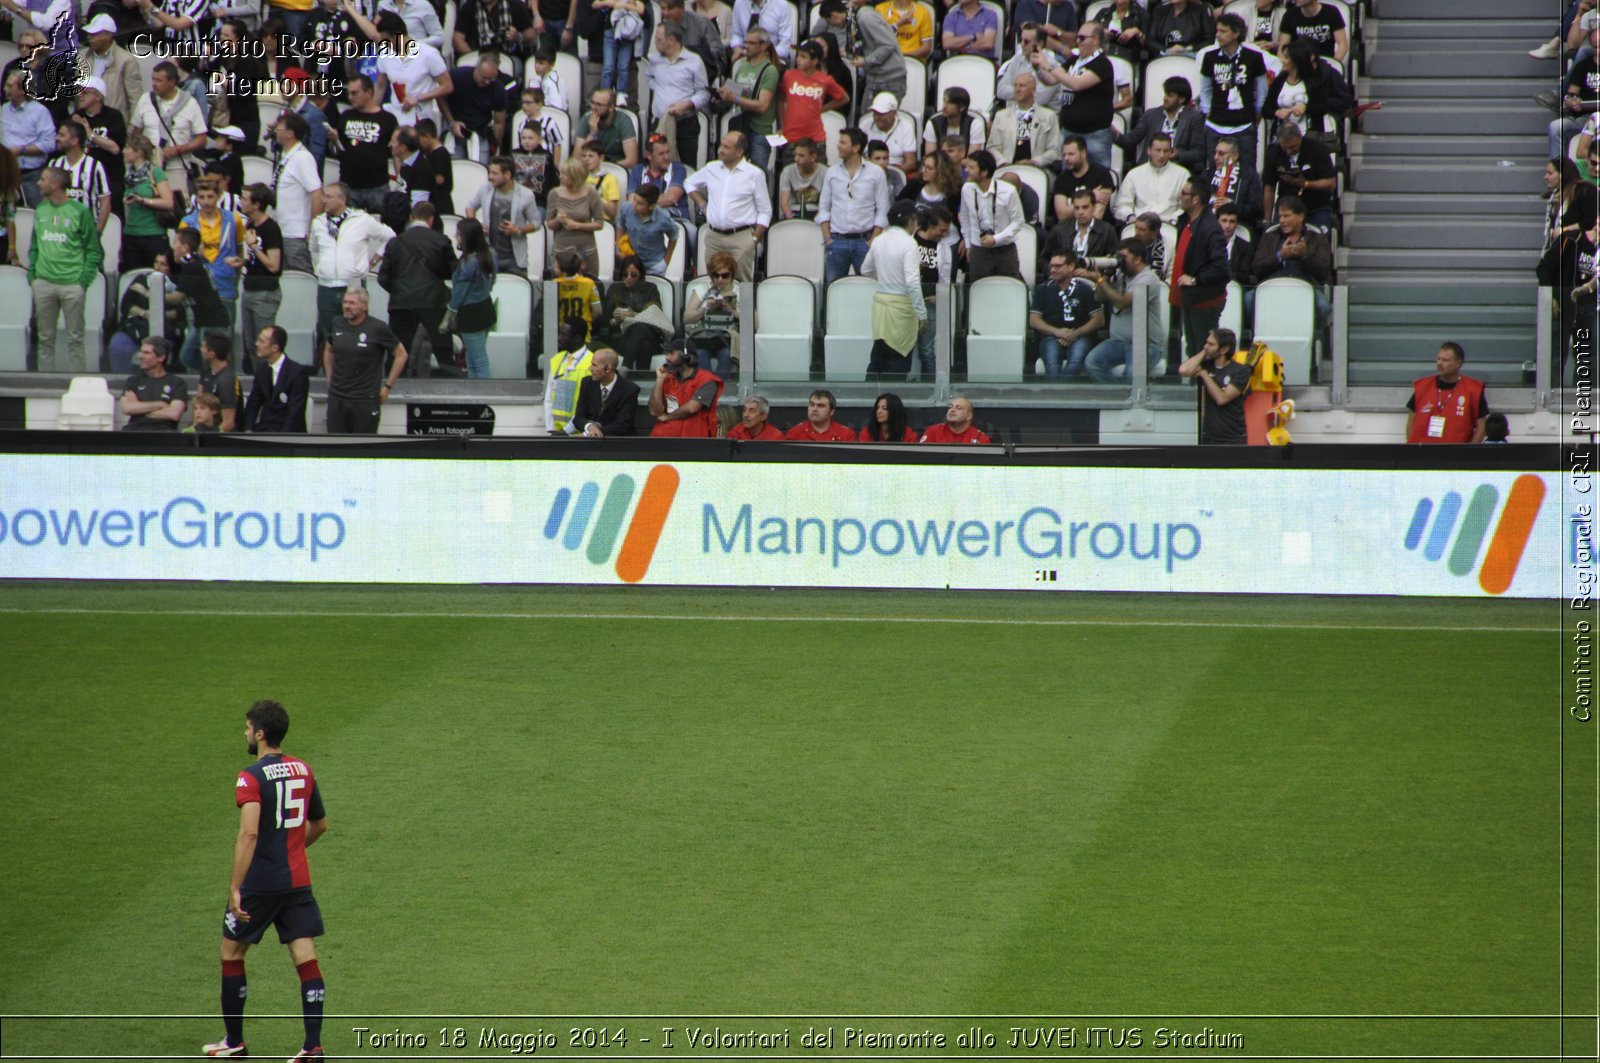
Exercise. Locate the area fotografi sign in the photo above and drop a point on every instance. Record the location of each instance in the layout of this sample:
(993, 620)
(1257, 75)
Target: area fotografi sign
(449, 419)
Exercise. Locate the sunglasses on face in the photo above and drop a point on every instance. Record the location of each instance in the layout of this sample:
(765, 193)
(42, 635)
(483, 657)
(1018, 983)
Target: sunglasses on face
(720, 276)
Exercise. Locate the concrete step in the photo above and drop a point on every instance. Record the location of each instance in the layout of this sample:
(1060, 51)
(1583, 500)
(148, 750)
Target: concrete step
(1396, 279)
(1470, 232)
(1465, 40)
(1478, 178)
(1460, 292)
(1367, 373)
(1380, 205)
(1403, 62)
(1465, 261)
(1419, 148)
(1464, 12)
(1516, 118)
(1536, 30)
(1389, 89)
(1380, 315)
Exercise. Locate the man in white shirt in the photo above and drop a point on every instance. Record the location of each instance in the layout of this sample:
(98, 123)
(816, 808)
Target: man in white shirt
(1152, 187)
(991, 219)
(1026, 131)
(853, 209)
(899, 313)
(774, 16)
(345, 244)
(899, 132)
(420, 79)
(297, 185)
(172, 120)
(738, 209)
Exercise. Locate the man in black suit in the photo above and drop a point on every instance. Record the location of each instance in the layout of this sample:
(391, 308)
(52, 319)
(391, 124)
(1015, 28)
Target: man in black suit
(278, 396)
(1199, 269)
(415, 266)
(1241, 261)
(607, 403)
(1234, 180)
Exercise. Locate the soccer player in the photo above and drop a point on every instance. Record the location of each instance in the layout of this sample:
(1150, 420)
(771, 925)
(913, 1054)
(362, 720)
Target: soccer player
(280, 815)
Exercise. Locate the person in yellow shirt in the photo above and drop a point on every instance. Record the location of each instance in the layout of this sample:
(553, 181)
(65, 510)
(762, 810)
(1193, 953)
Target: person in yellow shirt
(610, 188)
(913, 26)
(577, 296)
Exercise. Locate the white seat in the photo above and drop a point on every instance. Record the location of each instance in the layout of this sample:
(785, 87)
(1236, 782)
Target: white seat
(795, 247)
(447, 23)
(1028, 254)
(1286, 322)
(622, 180)
(297, 316)
(110, 245)
(915, 101)
(270, 112)
(847, 340)
(87, 406)
(997, 314)
(1035, 178)
(1233, 309)
(1100, 7)
(448, 223)
(467, 177)
(331, 172)
(9, 52)
(569, 69)
(1163, 67)
(833, 123)
(679, 258)
(257, 170)
(378, 303)
(23, 220)
(1169, 243)
(605, 250)
(669, 296)
(973, 73)
(785, 322)
(16, 296)
(700, 254)
(538, 259)
(508, 341)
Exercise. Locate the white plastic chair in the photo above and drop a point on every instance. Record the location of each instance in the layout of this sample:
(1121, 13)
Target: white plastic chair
(669, 296)
(110, 245)
(378, 304)
(87, 406)
(795, 247)
(605, 249)
(700, 255)
(1286, 322)
(679, 258)
(297, 316)
(270, 112)
(16, 296)
(23, 220)
(833, 123)
(1000, 35)
(786, 320)
(331, 172)
(1233, 309)
(257, 170)
(1028, 254)
(569, 68)
(847, 340)
(468, 177)
(973, 73)
(538, 256)
(448, 224)
(915, 101)
(997, 314)
(1169, 66)
(508, 341)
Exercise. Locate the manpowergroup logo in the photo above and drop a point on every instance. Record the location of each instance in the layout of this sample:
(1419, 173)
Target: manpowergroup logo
(1468, 520)
(605, 527)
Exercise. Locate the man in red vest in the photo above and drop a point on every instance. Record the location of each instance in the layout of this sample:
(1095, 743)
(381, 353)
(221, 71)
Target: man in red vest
(684, 401)
(1449, 407)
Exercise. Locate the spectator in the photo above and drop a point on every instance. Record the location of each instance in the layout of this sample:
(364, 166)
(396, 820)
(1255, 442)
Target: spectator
(152, 398)
(1031, 212)
(508, 213)
(1292, 249)
(414, 70)
(1117, 291)
(442, 165)
(204, 306)
(607, 401)
(896, 130)
(354, 357)
(1126, 31)
(888, 422)
(878, 155)
(1301, 167)
(1077, 172)
(938, 184)
(148, 191)
(1147, 230)
(804, 93)
(1233, 180)
(86, 179)
(1264, 24)
(1182, 123)
(614, 129)
(545, 76)
(634, 319)
(800, 184)
(298, 101)
(819, 425)
(934, 255)
(659, 170)
(1152, 187)
(218, 381)
(416, 264)
(576, 214)
(472, 310)
(182, 21)
(413, 169)
(684, 399)
(1581, 98)
(1572, 201)
(700, 35)
(899, 314)
(1241, 252)
(345, 244)
(1025, 131)
(293, 15)
(1299, 91)
(1092, 81)
(1496, 429)
(236, 72)
(957, 426)
(774, 16)
(29, 130)
(261, 263)
(877, 54)
(10, 201)
(991, 218)
(853, 209)
(1199, 267)
(1233, 87)
(955, 118)
(753, 424)
(833, 23)
(104, 134)
(1180, 27)
(535, 167)
(1319, 25)
(1225, 382)
(1066, 316)
(1057, 21)
(971, 29)
(717, 13)
(297, 186)
(477, 105)
(421, 20)
(1447, 407)
(63, 258)
(577, 296)
(649, 231)
(102, 58)
(365, 132)
(1085, 234)
(712, 317)
(207, 415)
(733, 195)
(226, 167)
(221, 238)
(679, 91)
(752, 93)
(1032, 58)
(533, 113)
(913, 26)
(503, 26)
(624, 29)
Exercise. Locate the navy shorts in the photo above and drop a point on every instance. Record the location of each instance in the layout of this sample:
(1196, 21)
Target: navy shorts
(295, 914)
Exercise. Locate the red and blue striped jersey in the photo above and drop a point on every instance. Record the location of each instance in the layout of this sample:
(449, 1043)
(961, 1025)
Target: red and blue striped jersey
(287, 793)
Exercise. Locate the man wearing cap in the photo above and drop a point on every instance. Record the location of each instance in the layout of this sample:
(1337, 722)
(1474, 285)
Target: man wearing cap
(105, 131)
(121, 82)
(899, 132)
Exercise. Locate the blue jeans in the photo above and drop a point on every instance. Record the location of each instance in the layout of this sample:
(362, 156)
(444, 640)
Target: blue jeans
(1111, 355)
(714, 357)
(925, 343)
(294, 24)
(1099, 145)
(760, 151)
(617, 63)
(1564, 129)
(1077, 351)
(477, 345)
(841, 257)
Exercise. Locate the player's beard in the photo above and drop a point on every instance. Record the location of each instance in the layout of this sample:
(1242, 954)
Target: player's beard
(253, 748)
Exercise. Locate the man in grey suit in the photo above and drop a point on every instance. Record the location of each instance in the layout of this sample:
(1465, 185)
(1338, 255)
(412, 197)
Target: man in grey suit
(1185, 125)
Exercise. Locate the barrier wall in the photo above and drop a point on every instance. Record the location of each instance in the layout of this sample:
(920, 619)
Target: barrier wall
(330, 519)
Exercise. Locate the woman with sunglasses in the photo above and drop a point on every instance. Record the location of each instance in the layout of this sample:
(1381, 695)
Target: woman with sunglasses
(636, 342)
(714, 317)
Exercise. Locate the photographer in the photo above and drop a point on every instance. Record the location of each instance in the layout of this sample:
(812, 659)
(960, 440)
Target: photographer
(684, 400)
(1115, 288)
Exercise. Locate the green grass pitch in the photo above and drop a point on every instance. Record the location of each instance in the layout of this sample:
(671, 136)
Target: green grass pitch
(623, 802)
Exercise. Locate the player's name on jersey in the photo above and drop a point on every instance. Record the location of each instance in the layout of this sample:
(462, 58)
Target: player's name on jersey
(287, 770)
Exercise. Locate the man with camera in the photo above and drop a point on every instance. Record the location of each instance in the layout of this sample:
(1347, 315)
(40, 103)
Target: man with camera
(684, 399)
(1116, 289)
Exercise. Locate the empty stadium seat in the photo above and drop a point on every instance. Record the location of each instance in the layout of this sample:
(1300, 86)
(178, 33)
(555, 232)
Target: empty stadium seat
(785, 321)
(331, 172)
(448, 224)
(605, 244)
(1028, 254)
(678, 260)
(378, 305)
(508, 341)
(468, 177)
(87, 406)
(1286, 322)
(669, 296)
(297, 315)
(915, 101)
(538, 254)
(110, 245)
(158, 319)
(795, 247)
(1233, 309)
(23, 220)
(16, 296)
(973, 73)
(833, 123)
(847, 342)
(270, 112)
(997, 315)
(258, 169)
(569, 69)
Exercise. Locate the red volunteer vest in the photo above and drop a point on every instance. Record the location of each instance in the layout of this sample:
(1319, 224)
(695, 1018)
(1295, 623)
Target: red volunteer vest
(702, 425)
(1458, 406)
